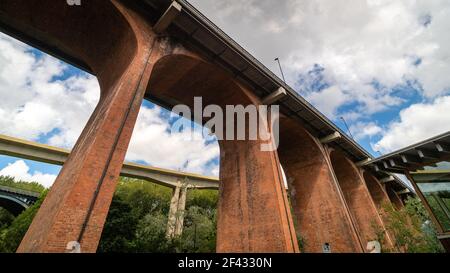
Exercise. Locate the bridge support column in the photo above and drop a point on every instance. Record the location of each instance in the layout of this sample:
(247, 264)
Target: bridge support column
(380, 198)
(253, 211)
(321, 214)
(363, 210)
(394, 198)
(76, 207)
(176, 212)
(254, 214)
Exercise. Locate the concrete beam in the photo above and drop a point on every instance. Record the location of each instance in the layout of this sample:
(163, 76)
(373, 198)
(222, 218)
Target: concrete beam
(362, 162)
(275, 96)
(397, 163)
(15, 147)
(427, 154)
(411, 159)
(443, 148)
(405, 191)
(330, 138)
(167, 18)
(376, 168)
(387, 179)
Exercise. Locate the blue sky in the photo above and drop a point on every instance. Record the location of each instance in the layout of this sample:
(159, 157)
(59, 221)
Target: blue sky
(382, 65)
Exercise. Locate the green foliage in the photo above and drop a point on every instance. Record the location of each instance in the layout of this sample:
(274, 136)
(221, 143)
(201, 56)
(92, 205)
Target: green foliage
(11, 236)
(143, 197)
(119, 228)
(140, 220)
(199, 233)
(6, 218)
(22, 185)
(380, 236)
(206, 199)
(137, 221)
(151, 235)
(13, 229)
(412, 228)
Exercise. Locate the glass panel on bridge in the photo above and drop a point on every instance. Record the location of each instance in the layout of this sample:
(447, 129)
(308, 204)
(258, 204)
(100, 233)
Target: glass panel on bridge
(434, 184)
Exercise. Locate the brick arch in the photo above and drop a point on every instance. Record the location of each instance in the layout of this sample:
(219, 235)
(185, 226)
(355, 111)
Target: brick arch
(113, 42)
(96, 35)
(379, 197)
(318, 206)
(253, 212)
(181, 75)
(356, 194)
(376, 190)
(394, 198)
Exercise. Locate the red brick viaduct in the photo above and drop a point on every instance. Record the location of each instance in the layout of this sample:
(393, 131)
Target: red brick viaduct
(141, 49)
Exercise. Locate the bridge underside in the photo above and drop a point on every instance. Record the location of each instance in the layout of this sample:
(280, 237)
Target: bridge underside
(13, 205)
(112, 40)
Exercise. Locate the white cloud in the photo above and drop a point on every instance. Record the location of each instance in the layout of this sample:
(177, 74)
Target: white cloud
(21, 171)
(361, 130)
(153, 143)
(355, 41)
(40, 103)
(35, 102)
(328, 100)
(416, 123)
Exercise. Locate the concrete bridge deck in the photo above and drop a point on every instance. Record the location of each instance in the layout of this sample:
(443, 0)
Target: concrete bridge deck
(20, 148)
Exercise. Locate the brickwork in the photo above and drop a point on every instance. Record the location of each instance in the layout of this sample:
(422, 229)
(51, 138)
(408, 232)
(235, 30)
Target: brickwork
(363, 210)
(115, 42)
(253, 213)
(318, 206)
(78, 202)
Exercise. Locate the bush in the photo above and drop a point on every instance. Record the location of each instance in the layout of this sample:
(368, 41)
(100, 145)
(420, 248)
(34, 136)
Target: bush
(412, 228)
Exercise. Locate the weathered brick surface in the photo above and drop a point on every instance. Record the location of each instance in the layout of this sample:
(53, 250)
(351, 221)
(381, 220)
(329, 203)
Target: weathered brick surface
(253, 213)
(393, 197)
(319, 208)
(379, 197)
(117, 47)
(363, 210)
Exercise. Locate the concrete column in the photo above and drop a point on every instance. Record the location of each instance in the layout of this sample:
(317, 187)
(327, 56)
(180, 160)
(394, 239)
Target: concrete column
(172, 219)
(74, 212)
(181, 211)
(176, 212)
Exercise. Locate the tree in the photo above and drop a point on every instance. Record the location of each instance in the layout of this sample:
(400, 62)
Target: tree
(11, 236)
(136, 221)
(6, 218)
(199, 233)
(28, 186)
(119, 230)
